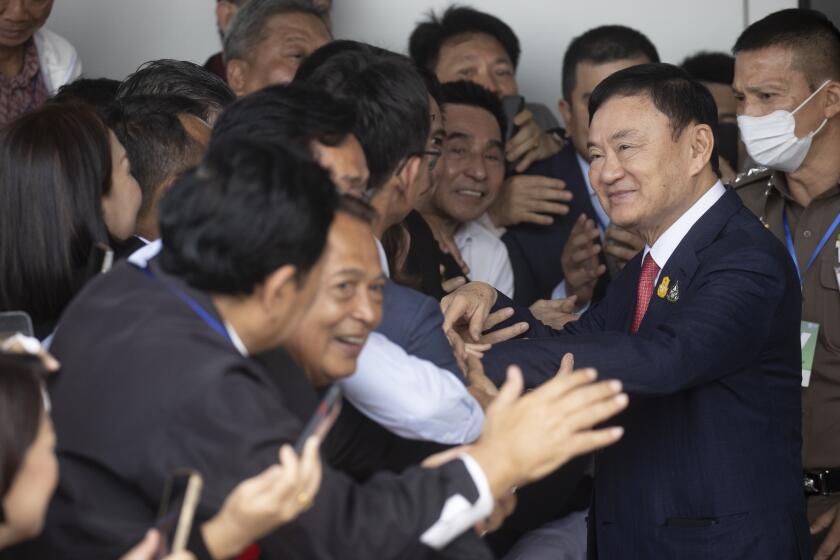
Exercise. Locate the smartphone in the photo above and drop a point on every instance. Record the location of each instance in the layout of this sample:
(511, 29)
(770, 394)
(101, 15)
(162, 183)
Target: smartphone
(512, 105)
(12, 322)
(177, 510)
(323, 418)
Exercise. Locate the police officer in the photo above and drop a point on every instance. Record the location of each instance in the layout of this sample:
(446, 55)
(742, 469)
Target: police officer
(787, 82)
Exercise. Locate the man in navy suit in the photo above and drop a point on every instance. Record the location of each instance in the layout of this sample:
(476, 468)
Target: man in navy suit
(703, 330)
(564, 258)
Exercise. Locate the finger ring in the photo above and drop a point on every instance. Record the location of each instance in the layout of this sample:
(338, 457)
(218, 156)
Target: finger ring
(303, 498)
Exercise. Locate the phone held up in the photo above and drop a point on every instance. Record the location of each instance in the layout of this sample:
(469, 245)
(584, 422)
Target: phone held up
(323, 418)
(177, 510)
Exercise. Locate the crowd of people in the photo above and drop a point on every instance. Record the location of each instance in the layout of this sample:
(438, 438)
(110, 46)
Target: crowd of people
(611, 336)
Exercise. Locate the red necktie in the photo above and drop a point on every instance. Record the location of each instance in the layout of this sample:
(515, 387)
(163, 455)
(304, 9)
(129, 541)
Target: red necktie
(647, 279)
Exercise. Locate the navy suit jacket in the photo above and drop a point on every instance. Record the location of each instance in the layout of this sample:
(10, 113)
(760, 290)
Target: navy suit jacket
(414, 322)
(709, 465)
(535, 250)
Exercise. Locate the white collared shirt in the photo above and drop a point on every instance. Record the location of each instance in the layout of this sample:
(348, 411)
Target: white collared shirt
(428, 402)
(670, 239)
(414, 398)
(486, 255)
(383, 258)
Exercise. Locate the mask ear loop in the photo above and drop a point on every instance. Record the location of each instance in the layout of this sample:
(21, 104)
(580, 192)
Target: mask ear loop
(810, 97)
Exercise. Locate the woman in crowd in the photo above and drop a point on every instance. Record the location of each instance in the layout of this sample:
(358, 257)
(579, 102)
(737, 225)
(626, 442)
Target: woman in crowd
(34, 62)
(66, 191)
(29, 474)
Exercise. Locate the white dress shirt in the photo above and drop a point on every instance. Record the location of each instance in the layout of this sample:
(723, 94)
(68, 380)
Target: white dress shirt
(486, 255)
(409, 396)
(416, 399)
(670, 239)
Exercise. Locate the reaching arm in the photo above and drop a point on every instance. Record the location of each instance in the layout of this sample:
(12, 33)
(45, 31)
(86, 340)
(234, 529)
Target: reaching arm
(714, 330)
(411, 397)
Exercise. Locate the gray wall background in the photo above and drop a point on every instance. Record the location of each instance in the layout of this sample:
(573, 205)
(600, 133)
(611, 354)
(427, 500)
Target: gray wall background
(113, 37)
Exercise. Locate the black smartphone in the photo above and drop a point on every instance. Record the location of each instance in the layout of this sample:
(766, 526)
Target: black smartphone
(323, 418)
(512, 105)
(177, 510)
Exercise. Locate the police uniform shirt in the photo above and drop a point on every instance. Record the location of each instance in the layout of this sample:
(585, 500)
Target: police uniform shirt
(766, 193)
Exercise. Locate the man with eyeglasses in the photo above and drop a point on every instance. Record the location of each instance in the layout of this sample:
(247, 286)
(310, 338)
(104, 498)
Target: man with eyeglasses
(471, 176)
(400, 127)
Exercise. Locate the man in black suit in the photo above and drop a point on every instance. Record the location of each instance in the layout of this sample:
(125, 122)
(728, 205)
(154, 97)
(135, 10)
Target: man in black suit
(565, 258)
(703, 329)
(157, 375)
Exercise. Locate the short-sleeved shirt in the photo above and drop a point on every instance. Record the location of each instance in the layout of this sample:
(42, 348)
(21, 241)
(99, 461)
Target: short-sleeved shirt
(766, 193)
(24, 92)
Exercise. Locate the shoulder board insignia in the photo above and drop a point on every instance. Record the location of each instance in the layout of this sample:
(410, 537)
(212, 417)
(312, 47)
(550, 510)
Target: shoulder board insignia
(751, 176)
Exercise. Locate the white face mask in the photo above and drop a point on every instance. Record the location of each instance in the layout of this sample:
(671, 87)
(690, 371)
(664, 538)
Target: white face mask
(771, 140)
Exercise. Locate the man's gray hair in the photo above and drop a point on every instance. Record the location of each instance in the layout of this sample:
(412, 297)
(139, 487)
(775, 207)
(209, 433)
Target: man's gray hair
(247, 29)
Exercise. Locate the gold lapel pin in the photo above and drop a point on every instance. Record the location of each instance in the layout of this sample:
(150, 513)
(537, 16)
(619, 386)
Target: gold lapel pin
(662, 290)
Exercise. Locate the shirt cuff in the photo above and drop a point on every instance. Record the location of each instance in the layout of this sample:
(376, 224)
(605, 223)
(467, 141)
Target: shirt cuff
(458, 514)
(560, 293)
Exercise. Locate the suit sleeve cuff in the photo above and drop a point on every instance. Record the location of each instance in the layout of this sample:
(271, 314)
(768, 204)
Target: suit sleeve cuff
(458, 514)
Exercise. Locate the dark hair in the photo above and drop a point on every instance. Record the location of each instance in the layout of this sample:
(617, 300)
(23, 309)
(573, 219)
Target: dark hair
(247, 30)
(21, 409)
(356, 208)
(600, 45)
(672, 91)
(808, 34)
(55, 167)
(155, 140)
(464, 92)
(390, 96)
(432, 84)
(246, 211)
(429, 36)
(290, 115)
(98, 93)
(713, 67)
(181, 78)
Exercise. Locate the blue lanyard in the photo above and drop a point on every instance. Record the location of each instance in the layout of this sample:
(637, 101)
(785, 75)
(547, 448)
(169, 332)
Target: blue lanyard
(211, 321)
(823, 241)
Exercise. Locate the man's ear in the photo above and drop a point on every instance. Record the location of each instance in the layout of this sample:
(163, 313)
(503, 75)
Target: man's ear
(565, 109)
(278, 290)
(408, 176)
(701, 143)
(237, 74)
(832, 104)
(225, 10)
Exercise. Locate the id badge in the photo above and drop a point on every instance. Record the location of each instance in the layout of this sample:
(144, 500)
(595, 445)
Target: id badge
(808, 339)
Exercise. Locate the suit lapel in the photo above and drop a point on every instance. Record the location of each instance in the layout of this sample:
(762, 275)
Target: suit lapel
(621, 297)
(683, 263)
